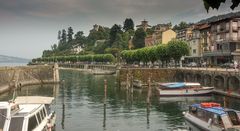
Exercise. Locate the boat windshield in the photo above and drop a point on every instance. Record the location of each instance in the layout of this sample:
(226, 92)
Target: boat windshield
(16, 124)
(233, 129)
(233, 118)
(3, 113)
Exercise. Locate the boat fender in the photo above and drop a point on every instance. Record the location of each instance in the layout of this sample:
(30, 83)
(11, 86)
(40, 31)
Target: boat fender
(209, 122)
(49, 125)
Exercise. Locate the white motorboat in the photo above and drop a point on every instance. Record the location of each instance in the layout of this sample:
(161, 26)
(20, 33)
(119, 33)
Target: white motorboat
(30, 113)
(212, 117)
(183, 89)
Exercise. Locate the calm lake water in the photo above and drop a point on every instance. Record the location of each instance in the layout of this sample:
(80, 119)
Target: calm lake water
(80, 105)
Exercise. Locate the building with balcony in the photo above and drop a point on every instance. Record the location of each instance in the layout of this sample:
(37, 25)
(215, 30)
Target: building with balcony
(184, 34)
(194, 42)
(224, 44)
(160, 37)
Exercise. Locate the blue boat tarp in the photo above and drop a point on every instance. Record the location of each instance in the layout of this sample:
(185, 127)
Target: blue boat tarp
(175, 85)
(215, 110)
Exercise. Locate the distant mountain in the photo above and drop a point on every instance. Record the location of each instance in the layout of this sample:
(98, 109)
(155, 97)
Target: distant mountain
(11, 59)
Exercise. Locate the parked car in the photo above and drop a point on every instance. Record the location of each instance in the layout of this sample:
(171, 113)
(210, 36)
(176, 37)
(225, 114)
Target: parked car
(227, 65)
(192, 64)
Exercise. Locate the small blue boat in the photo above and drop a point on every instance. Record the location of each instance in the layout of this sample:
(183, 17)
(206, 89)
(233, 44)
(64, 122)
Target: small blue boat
(183, 89)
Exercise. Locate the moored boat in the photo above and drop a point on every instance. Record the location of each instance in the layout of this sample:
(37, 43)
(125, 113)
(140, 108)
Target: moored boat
(103, 72)
(212, 117)
(30, 113)
(183, 89)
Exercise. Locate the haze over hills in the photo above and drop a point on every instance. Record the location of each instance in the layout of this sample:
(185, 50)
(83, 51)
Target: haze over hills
(11, 59)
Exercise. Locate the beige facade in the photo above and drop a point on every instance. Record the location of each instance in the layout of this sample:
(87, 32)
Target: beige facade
(184, 34)
(224, 41)
(167, 36)
(160, 37)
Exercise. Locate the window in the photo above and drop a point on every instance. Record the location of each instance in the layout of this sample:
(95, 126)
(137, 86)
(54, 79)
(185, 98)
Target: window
(194, 51)
(16, 124)
(234, 36)
(233, 117)
(43, 113)
(3, 113)
(32, 123)
(39, 117)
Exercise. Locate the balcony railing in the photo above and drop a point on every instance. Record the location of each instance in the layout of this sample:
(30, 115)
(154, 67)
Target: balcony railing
(217, 53)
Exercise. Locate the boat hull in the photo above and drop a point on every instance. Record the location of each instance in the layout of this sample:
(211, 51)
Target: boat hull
(197, 124)
(185, 92)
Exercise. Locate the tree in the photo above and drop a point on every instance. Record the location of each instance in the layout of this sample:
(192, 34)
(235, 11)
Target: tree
(128, 24)
(139, 38)
(70, 33)
(181, 25)
(63, 40)
(214, 4)
(59, 35)
(150, 31)
(113, 33)
(80, 39)
(100, 34)
(177, 49)
(162, 53)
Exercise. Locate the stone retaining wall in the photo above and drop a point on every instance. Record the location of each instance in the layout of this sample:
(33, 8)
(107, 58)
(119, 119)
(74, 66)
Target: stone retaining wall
(14, 77)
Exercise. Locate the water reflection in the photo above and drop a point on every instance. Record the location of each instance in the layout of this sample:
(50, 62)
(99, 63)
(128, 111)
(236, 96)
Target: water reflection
(81, 104)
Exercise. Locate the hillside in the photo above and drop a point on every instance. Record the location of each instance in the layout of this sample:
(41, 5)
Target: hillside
(11, 59)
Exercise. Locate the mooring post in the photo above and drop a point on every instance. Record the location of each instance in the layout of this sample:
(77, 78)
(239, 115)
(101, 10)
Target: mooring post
(105, 91)
(55, 73)
(149, 91)
(127, 81)
(131, 83)
(104, 104)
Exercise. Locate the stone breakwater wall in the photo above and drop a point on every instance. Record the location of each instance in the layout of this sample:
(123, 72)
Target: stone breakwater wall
(16, 77)
(143, 74)
(226, 82)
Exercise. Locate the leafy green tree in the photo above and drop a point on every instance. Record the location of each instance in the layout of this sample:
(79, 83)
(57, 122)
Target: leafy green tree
(116, 29)
(181, 25)
(94, 35)
(69, 34)
(162, 53)
(128, 24)
(152, 54)
(100, 48)
(177, 49)
(119, 42)
(64, 36)
(139, 38)
(63, 40)
(59, 35)
(80, 39)
(150, 31)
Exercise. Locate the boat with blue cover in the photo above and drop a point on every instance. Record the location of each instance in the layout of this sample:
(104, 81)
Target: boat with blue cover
(212, 117)
(183, 89)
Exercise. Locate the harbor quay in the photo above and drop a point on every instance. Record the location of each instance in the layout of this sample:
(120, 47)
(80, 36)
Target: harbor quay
(17, 77)
(225, 81)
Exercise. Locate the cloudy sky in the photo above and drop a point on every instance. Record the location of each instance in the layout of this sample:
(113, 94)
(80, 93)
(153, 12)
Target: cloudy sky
(30, 26)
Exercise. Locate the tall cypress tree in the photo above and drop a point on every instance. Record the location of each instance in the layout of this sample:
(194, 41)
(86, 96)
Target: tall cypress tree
(128, 24)
(69, 34)
(139, 38)
(113, 33)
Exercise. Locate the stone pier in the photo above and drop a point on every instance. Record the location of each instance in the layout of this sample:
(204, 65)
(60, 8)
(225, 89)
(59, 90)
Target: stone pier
(16, 77)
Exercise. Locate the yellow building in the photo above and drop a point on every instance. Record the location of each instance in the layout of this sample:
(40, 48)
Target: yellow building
(160, 37)
(168, 35)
